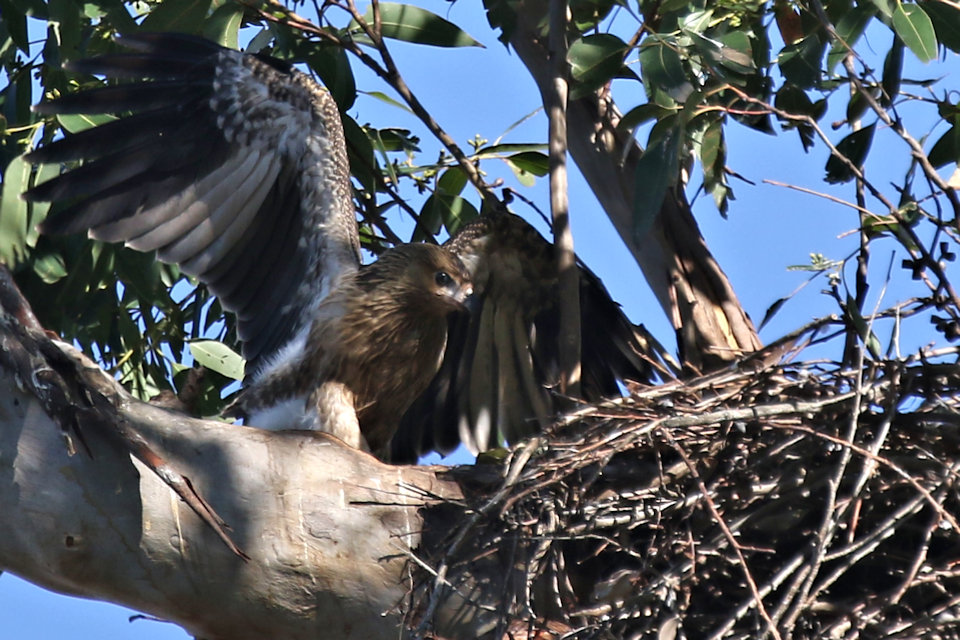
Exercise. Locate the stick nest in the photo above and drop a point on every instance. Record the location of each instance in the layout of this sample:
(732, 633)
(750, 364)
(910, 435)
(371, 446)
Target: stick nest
(799, 500)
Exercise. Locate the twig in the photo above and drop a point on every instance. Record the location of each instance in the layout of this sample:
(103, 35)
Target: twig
(825, 196)
(731, 539)
(946, 515)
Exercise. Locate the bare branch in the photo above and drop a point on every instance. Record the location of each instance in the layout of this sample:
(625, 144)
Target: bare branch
(555, 102)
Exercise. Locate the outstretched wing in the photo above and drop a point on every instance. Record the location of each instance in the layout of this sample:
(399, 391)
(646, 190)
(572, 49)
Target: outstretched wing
(500, 372)
(231, 165)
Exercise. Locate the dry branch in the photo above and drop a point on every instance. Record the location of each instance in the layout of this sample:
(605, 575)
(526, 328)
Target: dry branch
(801, 501)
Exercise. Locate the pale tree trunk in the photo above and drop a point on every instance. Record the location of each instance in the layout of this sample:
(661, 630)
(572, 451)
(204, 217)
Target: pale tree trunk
(711, 325)
(329, 530)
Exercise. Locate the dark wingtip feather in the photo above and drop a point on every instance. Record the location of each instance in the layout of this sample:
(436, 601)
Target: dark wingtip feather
(127, 97)
(161, 64)
(150, 41)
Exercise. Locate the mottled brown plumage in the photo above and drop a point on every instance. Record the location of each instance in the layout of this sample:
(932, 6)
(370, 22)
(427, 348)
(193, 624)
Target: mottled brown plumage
(234, 166)
(376, 343)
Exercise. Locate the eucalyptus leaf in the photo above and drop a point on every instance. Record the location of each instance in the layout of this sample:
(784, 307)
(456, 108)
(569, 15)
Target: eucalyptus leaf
(495, 150)
(49, 267)
(224, 24)
(915, 28)
(333, 67)
(854, 147)
(736, 52)
(892, 73)
(946, 149)
(64, 17)
(450, 210)
(13, 211)
(77, 122)
(413, 24)
(524, 177)
(641, 114)
(596, 59)
(772, 311)
(712, 148)
(800, 62)
(663, 69)
(429, 220)
(794, 100)
(586, 14)
(360, 152)
(859, 103)
(849, 28)
(186, 16)
(452, 181)
(15, 21)
(218, 357)
(867, 336)
(38, 210)
(946, 23)
(382, 97)
(655, 171)
(394, 139)
(533, 162)
(885, 7)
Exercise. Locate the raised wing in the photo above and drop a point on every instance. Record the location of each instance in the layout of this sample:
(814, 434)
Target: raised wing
(500, 373)
(231, 165)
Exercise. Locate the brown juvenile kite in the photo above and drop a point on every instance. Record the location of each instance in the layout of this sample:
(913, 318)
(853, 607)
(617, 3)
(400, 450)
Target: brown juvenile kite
(234, 166)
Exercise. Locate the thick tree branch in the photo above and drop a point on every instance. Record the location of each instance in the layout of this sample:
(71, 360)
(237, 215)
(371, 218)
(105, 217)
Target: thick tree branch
(328, 529)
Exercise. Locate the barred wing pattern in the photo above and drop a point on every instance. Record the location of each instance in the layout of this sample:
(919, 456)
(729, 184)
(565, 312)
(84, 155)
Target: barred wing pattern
(232, 166)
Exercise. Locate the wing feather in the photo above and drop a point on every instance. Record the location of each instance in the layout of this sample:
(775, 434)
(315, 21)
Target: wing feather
(127, 97)
(227, 200)
(532, 396)
(229, 228)
(232, 165)
(162, 225)
(500, 369)
(476, 425)
(144, 231)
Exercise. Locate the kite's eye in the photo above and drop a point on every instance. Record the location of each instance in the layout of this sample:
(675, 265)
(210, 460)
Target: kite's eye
(442, 278)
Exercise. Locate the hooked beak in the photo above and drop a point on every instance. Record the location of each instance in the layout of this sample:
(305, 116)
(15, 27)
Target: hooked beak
(470, 302)
(463, 299)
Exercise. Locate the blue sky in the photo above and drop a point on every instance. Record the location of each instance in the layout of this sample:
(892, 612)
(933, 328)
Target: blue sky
(484, 91)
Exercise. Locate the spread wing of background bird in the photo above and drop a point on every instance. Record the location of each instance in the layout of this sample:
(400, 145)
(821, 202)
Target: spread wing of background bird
(234, 166)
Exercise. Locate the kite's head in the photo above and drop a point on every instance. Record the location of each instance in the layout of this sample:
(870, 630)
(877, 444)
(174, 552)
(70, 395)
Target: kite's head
(431, 277)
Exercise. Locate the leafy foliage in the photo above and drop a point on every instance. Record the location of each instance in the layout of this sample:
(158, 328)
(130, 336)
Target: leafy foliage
(702, 69)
